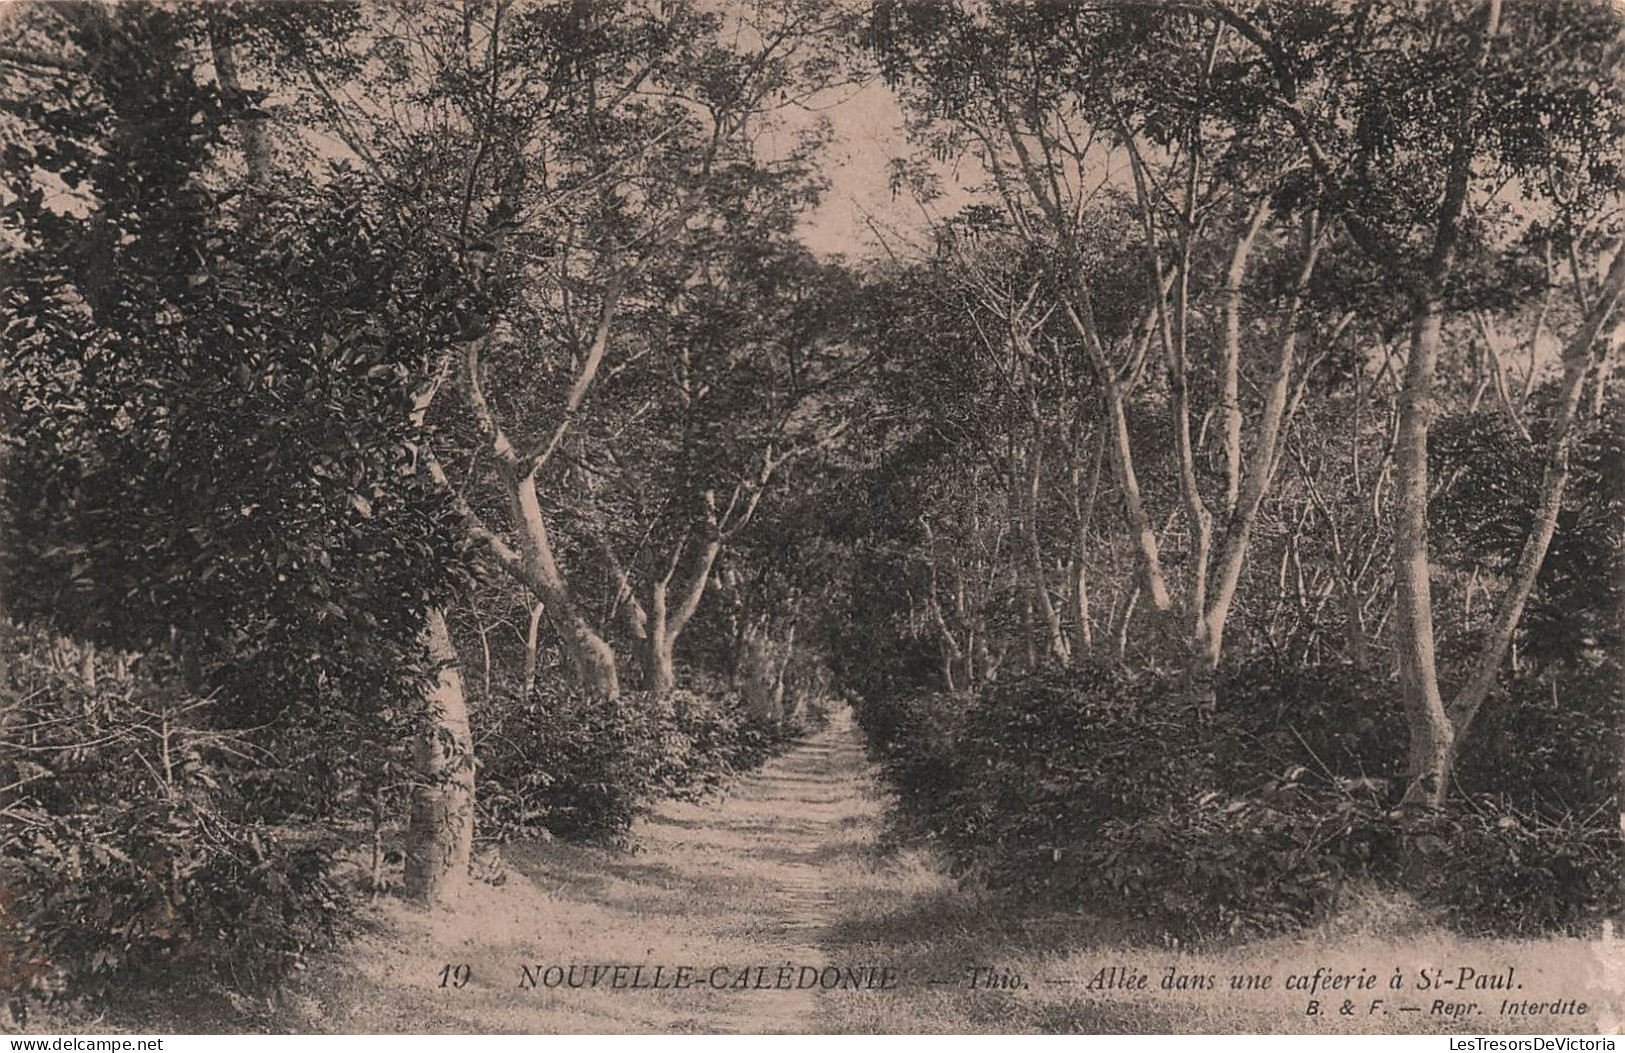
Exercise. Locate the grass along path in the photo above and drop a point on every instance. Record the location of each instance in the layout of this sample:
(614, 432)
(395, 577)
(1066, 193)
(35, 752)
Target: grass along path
(749, 880)
(791, 867)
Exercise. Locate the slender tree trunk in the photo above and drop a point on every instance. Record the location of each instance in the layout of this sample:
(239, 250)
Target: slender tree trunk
(979, 663)
(532, 640)
(1083, 639)
(1145, 537)
(783, 670)
(440, 836)
(657, 626)
(1431, 736)
(952, 654)
(485, 659)
(1232, 353)
(1081, 315)
(1605, 372)
(1035, 552)
(1209, 641)
(1083, 514)
(87, 667)
(1126, 620)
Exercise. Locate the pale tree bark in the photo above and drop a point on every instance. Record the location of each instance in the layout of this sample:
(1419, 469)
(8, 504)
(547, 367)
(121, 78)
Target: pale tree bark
(1056, 634)
(954, 656)
(1234, 276)
(87, 666)
(1605, 373)
(1173, 326)
(440, 826)
(1431, 734)
(592, 663)
(1619, 654)
(1078, 302)
(656, 624)
(255, 135)
(1127, 619)
(1431, 737)
(1497, 374)
(440, 836)
(1212, 589)
(533, 634)
(787, 653)
(1081, 315)
(1259, 471)
(659, 624)
(1015, 355)
(1083, 514)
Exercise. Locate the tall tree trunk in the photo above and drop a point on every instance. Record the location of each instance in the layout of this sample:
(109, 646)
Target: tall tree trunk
(1035, 552)
(789, 652)
(1232, 352)
(1081, 315)
(1083, 514)
(440, 836)
(1431, 736)
(657, 626)
(1209, 640)
(1173, 325)
(1083, 633)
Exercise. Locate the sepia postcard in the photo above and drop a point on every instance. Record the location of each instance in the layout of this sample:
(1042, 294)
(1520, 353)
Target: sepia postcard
(655, 517)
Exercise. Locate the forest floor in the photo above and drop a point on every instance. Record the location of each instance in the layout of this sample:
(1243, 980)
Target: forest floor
(794, 867)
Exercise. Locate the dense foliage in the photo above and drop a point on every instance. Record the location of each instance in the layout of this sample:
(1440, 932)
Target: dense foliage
(427, 423)
(137, 841)
(577, 767)
(1085, 786)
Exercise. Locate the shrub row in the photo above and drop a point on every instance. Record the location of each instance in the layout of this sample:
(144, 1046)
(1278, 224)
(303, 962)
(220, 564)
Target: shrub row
(578, 767)
(1090, 786)
(144, 837)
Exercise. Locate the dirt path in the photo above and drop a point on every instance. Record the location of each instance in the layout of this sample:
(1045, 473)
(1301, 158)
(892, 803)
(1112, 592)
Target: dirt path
(753, 881)
(788, 872)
